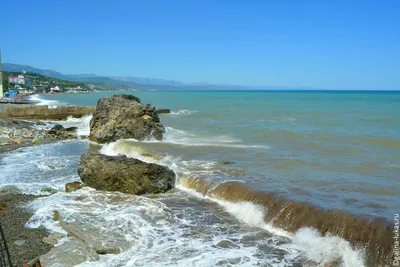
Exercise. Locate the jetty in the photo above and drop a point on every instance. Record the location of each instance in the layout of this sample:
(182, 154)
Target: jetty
(36, 112)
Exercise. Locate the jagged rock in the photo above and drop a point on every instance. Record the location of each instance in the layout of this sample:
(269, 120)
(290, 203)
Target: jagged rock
(122, 117)
(71, 187)
(52, 239)
(10, 190)
(91, 236)
(163, 111)
(126, 175)
(59, 132)
(70, 253)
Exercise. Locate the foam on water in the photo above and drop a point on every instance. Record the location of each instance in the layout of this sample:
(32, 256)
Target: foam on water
(308, 240)
(44, 102)
(182, 112)
(81, 123)
(183, 138)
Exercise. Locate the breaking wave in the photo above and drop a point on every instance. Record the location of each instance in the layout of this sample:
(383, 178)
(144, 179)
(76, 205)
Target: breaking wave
(44, 102)
(182, 112)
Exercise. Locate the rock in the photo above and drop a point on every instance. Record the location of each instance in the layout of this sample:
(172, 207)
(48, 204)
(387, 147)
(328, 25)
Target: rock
(123, 117)
(20, 242)
(72, 187)
(91, 236)
(17, 141)
(53, 239)
(56, 215)
(70, 253)
(3, 206)
(126, 175)
(225, 162)
(226, 244)
(330, 263)
(48, 190)
(10, 190)
(163, 111)
(40, 123)
(60, 133)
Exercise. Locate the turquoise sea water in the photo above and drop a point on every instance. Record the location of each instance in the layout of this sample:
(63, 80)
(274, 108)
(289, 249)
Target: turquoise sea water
(335, 149)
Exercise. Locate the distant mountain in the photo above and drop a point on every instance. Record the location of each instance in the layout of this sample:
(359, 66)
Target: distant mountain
(148, 81)
(20, 68)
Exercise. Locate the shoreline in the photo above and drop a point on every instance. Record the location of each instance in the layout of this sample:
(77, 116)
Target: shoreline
(13, 217)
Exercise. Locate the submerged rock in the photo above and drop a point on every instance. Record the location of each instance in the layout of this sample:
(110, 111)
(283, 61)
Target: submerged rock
(123, 174)
(52, 239)
(123, 117)
(70, 253)
(163, 111)
(91, 236)
(72, 187)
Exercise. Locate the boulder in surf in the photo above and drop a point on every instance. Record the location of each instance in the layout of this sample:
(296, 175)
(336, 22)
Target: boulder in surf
(123, 174)
(124, 117)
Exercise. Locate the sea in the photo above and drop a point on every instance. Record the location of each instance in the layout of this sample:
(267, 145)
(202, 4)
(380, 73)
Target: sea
(264, 178)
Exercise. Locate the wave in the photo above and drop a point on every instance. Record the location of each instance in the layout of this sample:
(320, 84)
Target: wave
(83, 124)
(44, 102)
(182, 112)
(323, 234)
(183, 138)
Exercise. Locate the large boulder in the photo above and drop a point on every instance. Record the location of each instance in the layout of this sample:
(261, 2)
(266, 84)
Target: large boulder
(123, 117)
(123, 174)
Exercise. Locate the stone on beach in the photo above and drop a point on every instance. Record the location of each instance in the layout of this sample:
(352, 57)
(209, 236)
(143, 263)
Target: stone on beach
(91, 236)
(59, 132)
(72, 187)
(123, 174)
(124, 117)
(69, 253)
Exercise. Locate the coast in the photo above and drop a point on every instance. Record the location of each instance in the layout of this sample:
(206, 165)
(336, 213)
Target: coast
(340, 233)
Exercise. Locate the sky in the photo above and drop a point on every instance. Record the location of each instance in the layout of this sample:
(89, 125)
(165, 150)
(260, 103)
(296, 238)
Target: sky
(299, 44)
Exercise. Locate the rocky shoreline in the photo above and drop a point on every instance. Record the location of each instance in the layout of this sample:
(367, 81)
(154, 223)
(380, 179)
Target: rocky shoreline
(117, 117)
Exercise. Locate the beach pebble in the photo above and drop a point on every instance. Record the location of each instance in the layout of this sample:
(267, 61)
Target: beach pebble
(19, 242)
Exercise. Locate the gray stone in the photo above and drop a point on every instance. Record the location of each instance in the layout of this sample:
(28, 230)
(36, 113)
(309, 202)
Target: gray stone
(91, 236)
(226, 244)
(49, 189)
(123, 117)
(53, 239)
(330, 263)
(70, 253)
(126, 175)
(10, 189)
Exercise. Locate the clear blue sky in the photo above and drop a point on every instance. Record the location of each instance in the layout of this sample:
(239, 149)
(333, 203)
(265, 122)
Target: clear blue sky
(322, 44)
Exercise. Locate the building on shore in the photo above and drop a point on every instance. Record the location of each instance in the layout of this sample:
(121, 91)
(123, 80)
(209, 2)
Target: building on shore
(19, 79)
(1, 78)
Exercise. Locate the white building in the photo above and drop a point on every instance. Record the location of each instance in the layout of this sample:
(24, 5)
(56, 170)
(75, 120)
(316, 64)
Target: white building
(19, 79)
(55, 89)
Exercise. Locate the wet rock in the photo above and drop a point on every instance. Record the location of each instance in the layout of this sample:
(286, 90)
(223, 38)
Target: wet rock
(91, 236)
(126, 175)
(48, 190)
(330, 263)
(60, 133)
(40, 123)
(10, 190)
(56, 215)
(225, 162)
(123, 117)
(53, 239)
(70, 253)
(163, 111)
(226, 244)
(72, 187)
(229, 262)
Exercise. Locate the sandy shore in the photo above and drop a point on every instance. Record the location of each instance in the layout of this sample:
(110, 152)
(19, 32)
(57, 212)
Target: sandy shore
(13, 218)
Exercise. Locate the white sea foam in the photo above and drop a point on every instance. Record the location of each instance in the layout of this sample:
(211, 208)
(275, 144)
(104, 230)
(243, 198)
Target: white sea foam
(44, 102)
(182, 112)
(81, 123)
(308, 240)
